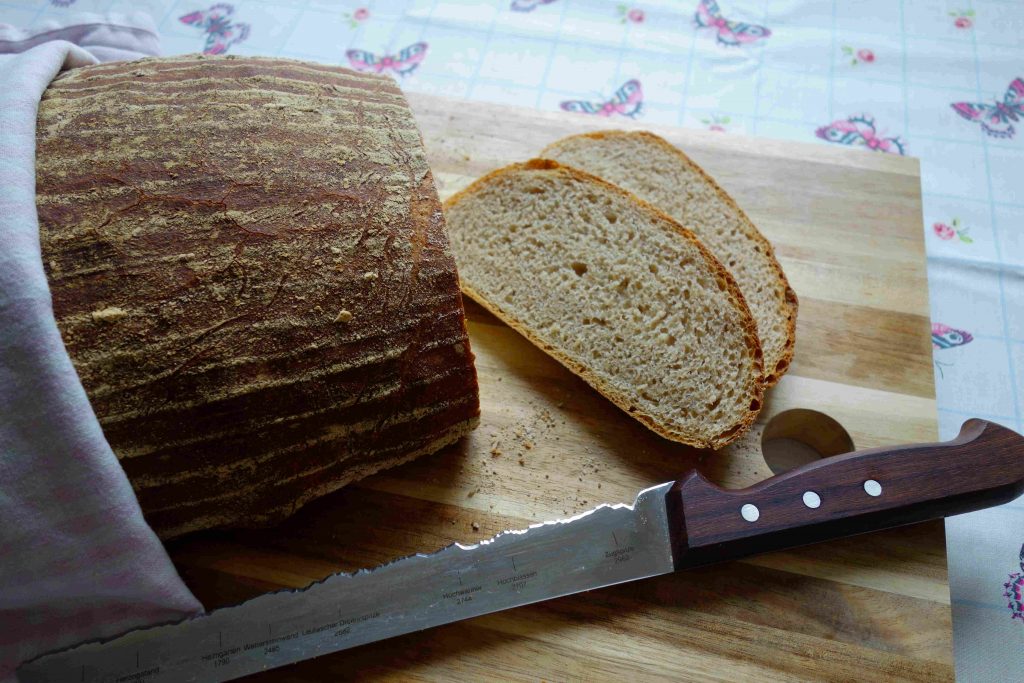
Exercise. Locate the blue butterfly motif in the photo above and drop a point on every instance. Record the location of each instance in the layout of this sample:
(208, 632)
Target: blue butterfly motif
(996, 119)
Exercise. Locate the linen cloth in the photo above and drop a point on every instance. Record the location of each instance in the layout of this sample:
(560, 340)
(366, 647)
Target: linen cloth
(77, 560)
(879, 75)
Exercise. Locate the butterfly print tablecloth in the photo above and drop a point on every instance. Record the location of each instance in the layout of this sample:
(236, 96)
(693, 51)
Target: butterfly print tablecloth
(939, 80)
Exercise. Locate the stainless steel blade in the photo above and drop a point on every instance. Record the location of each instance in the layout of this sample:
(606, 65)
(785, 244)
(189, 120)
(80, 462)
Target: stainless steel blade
(608, 545)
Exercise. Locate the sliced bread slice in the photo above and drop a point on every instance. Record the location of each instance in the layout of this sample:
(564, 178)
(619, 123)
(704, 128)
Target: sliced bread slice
(657, 172)
(617, 292)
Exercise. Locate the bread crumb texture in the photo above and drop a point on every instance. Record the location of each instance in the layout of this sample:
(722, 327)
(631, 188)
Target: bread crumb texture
(659, 173)
(615, 290)
(287, 316)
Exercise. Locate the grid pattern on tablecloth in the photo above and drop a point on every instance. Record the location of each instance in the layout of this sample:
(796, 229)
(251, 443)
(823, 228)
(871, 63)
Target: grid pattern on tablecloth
(903, 63)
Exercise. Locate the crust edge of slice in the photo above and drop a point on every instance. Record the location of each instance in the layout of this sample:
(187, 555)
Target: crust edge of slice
(750, 336)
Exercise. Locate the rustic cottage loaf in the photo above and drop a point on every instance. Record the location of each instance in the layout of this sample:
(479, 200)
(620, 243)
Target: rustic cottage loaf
(655, 171)
(250, 272)
(615, 290)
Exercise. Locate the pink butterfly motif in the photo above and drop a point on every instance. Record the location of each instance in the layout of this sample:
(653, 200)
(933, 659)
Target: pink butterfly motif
(860, 130)
(627, 101)
(1014, 591)
(946, 337)
(528, 5)
(730, 33)
(403, 64)
(996, 118)
(220, 32)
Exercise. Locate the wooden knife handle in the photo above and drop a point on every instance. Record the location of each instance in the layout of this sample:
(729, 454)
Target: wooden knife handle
(847, 494)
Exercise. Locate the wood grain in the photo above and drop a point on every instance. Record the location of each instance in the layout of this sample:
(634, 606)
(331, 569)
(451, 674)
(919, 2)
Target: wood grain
(847, 226)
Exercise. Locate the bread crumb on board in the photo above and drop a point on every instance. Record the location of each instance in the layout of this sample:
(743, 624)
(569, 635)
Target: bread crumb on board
(109, 314)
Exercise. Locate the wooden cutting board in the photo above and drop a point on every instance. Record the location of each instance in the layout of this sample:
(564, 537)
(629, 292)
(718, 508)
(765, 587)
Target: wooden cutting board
(847, 228)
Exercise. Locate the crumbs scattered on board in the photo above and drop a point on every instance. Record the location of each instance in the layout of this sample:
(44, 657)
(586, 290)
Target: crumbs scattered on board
(533, 442)
(520, 438)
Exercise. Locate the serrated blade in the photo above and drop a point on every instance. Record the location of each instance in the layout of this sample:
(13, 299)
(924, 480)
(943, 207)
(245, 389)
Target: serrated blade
(608, 545)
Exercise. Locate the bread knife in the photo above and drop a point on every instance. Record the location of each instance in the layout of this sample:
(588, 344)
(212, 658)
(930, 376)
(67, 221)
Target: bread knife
(675, 526)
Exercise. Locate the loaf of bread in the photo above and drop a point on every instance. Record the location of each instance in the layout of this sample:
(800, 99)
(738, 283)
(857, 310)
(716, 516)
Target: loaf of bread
(250, 271)
(615, 290)
(657, 172)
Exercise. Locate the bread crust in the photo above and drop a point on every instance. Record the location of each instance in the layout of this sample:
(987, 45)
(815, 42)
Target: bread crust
(788, 299)
(250, 271)
(733, 291)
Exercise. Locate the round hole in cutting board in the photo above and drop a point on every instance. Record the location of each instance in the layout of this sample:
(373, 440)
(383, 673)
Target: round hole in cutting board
(800, 436)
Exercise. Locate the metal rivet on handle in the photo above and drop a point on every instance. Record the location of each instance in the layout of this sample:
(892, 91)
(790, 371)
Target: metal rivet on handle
(872, 488)
(812, 499)
(750, 512)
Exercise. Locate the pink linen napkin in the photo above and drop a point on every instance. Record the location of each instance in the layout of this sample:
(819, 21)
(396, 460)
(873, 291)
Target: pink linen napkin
(77, 560)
